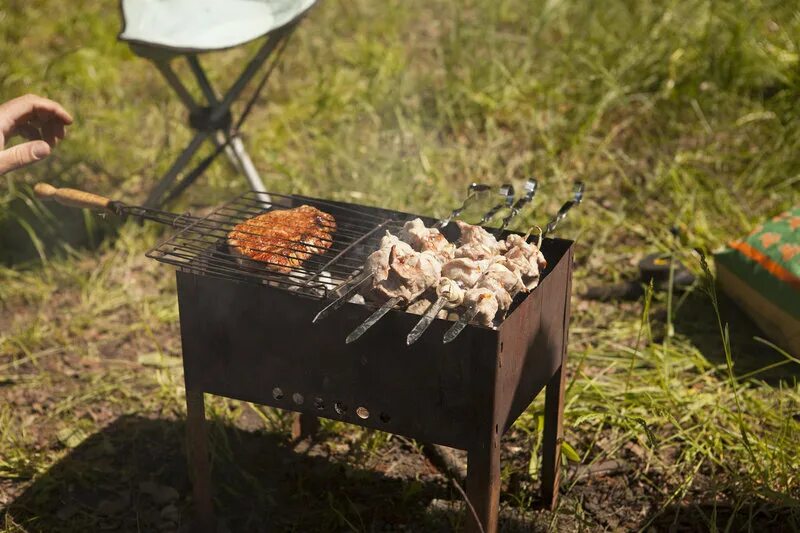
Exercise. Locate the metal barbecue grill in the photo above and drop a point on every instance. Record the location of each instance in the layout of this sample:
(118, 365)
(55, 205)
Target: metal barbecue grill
(201, 245)
(258, 345)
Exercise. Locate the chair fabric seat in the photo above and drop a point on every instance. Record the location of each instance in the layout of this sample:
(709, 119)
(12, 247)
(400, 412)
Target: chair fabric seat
(205, 25)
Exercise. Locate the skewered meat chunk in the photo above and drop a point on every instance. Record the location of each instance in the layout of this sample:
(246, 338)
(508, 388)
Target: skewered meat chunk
(529, 250)
(389, 240)
(504, 283)
(409, 275)
(464, 271)
(431, 266)
(423, 269)
(501, 296)
(471, 234)
(475, 251)
(424, 239)
(484, 301)
(283, 238)
(378, 261)
(378, 264)
(451, 291)
(482, 274)
(508, 279)
(525, 258)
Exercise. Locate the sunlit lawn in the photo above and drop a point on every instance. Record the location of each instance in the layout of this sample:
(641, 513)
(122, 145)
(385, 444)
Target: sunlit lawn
(677, 114)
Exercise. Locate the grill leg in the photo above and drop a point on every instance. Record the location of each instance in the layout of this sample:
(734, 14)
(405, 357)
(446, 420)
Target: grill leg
(304, 425)
(553, 436)
(199, 467)
(483, 485)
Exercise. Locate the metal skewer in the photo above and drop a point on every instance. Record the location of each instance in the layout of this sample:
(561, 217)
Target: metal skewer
(507, 192)
(459, 326)
(530, 191)
(471, 311)
(357, 281)
(427, 319)
(473, 190)
(562, 213)
(373, 318)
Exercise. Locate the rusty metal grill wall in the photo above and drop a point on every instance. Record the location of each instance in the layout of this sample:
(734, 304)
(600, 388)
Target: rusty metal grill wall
(260, 346)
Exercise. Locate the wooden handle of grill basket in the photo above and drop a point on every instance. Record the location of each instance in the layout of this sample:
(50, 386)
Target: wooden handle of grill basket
(71, 197)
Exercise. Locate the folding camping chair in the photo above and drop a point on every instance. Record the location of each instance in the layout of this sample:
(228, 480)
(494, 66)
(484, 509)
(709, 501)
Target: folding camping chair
(162, 30)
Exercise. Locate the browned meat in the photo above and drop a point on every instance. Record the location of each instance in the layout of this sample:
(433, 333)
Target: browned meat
(284, 238)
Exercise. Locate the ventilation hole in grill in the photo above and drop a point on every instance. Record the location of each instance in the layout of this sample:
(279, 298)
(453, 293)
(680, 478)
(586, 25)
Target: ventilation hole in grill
(385, 418)
(298, 398)
(362, 412)
(501, 346)
(340, 408)
(319, 404)
(277, 393)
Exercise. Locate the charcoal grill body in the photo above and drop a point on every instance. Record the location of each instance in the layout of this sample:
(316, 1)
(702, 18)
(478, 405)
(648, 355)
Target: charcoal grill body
(257, 343)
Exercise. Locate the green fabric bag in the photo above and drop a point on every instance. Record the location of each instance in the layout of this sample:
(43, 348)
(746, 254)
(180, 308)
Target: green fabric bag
(761, 273)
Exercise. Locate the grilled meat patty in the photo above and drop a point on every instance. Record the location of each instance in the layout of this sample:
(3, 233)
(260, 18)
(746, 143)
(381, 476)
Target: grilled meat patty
(284, 238)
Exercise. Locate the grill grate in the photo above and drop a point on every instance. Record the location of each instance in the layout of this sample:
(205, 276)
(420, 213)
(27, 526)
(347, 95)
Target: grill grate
(200, 246)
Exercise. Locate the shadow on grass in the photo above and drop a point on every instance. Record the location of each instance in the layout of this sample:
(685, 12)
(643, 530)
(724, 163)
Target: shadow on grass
(749, 516)
(697, 321)
(132, 476)
(27, 233)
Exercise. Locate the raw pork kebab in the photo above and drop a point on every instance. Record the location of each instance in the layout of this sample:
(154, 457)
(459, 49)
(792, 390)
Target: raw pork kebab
(420, 265)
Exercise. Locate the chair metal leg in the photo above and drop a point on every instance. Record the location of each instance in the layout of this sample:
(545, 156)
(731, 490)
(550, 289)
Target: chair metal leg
(235, 150)
(156, 195)
(202, 80)
(218, 109)
(251, 69)
(219, 140)
(248, 168)
(165, 68)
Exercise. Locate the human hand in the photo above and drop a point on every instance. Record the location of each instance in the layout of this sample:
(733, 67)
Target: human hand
(38, 119)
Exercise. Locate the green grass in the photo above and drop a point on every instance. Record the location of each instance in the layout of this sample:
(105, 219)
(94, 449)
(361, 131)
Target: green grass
(675, 114)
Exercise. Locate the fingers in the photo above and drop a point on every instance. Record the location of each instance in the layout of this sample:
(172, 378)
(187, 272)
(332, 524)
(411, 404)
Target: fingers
(34, 110)
(36, 118)
(53, 132)
(23, 154)
(28, 131)
(31, 104)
